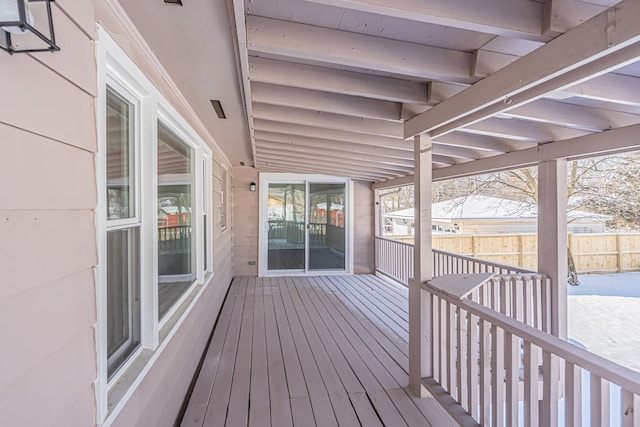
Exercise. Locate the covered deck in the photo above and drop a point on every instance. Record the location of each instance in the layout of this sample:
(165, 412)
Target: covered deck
(329, 350)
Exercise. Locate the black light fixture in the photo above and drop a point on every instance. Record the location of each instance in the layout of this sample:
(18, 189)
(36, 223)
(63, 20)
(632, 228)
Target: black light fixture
(252, 187)
(26, 26)
(176, 2)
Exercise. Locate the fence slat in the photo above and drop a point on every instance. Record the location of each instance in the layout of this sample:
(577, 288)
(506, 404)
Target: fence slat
(530, 385)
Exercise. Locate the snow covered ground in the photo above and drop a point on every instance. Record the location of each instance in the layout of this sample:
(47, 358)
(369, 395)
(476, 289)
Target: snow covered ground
(604, 316)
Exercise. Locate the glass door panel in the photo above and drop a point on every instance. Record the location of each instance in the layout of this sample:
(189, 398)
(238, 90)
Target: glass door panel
(286, 218)
(326, 226)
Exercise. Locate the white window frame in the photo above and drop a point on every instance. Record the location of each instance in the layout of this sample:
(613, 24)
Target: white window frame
(306, 179)
(116, 70)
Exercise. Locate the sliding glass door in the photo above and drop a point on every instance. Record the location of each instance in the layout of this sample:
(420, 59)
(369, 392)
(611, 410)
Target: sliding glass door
(306, 226)
(286, 217)
(327, 226)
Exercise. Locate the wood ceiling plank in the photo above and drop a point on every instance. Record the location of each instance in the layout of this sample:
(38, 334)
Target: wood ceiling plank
(327, 120)
(513, 18)
(308, 99)
(336, 81)
(294, 40)
(332, 134)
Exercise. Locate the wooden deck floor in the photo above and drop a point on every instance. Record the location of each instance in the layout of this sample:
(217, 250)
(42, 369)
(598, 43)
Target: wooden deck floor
(323, 351)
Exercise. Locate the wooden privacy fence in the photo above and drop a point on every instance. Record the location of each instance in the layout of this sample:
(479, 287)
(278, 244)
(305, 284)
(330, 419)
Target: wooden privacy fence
(592, 253)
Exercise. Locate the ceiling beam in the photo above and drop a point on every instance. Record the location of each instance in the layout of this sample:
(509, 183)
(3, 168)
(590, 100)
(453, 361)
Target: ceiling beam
(327, 120)
(308, 99)
(329, 46)
(570, 115)
(597, 144)
(276, 167)
(482, 142)
(284, 73)
(513, 18)
(559, 16)
(603, 35)
(312, 164)
(522, 130)
(330, 157)
(332, 134)
(305, 141)
(615, 88)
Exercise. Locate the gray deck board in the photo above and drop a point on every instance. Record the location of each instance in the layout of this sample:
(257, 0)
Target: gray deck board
(308, 351)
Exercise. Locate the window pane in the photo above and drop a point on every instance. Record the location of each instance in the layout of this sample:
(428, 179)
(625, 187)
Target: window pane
(123, 296)
(175, 245)
(326, 226)
(286, 243)
(120, 157)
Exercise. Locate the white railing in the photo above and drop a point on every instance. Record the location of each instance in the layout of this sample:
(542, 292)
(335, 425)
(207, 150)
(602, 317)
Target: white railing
(524, 297)
(451, 263)
(505, 373)
(394, 259)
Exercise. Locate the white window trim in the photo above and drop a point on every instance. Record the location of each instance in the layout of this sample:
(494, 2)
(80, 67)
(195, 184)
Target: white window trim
(265, 179)
(117, 70)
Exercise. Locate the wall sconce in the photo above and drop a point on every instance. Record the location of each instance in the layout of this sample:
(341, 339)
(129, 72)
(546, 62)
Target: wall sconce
(252, 187)
(26, 26)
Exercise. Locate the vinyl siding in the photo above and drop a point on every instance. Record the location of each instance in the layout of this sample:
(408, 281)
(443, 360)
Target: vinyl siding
(48, 238)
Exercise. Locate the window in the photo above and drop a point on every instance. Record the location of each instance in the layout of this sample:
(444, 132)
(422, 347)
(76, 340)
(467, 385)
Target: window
(153, 225)
(175, 221)
(122, 233)
(223, 200)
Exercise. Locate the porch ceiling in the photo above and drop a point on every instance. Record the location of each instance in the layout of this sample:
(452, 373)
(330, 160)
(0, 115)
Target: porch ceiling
(335, 86)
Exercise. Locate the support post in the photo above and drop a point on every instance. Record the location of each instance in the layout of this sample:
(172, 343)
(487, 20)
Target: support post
(420, 302)
(552, 238)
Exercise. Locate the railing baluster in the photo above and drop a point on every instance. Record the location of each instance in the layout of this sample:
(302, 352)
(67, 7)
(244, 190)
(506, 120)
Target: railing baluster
(497, 375)
(550, 393)
(461, 361)
(451, 350)
(600, 404)
(512, 370)
(442, 344)
(573, 395)
(485, 381)
(472, 365)
(629, 409)
(530, 384)
(437, 373)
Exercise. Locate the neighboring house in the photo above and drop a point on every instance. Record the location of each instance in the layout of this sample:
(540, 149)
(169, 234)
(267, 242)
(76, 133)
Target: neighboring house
(489, 215)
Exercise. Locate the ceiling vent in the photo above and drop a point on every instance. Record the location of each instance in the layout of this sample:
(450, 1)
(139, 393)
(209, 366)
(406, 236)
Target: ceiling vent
(176, 2)
(218, 107)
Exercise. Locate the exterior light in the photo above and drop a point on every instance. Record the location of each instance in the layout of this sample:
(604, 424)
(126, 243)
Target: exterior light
(26, 26)
(252, 187)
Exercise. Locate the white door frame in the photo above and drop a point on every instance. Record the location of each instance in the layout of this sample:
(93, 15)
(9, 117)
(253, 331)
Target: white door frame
(263, 227)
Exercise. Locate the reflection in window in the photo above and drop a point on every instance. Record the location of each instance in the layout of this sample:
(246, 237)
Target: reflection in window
(123, 249)
(123, 296)
(175, 220)
(120, 155)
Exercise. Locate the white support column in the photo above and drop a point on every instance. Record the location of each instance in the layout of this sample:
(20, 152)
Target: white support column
(420, 345)
(552, 237)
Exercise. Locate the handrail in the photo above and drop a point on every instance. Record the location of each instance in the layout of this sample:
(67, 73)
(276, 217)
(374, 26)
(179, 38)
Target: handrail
(496, 265)
(399, 242)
